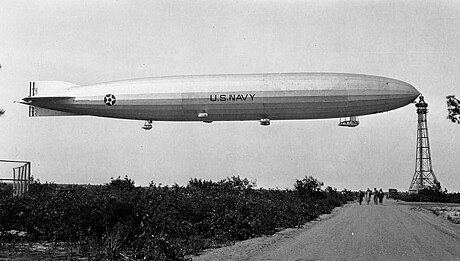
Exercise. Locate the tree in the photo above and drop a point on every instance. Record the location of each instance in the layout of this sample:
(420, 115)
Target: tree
(308, 186)
(122, 184)
(453, 107)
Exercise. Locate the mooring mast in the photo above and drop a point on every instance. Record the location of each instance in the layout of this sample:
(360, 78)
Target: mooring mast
(423, 176)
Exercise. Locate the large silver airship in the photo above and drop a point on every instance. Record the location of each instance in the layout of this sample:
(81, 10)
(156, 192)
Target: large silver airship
(225, 97)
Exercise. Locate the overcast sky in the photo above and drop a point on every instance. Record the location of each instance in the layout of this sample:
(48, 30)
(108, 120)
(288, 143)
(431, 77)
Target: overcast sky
(86, 42)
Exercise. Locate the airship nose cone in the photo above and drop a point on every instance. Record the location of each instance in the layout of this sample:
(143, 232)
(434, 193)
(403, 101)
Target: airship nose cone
(399, 94)
(409, 91)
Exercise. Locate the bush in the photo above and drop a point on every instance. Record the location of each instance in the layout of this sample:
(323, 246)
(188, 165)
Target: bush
(119, 220)
(429, 195)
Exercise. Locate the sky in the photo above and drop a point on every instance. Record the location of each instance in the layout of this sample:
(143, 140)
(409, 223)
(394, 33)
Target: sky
(85, 42)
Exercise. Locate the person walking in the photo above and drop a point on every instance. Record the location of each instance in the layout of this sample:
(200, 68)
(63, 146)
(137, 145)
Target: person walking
(368, 195)
(381, 195)
(360, 196)
(376, 196)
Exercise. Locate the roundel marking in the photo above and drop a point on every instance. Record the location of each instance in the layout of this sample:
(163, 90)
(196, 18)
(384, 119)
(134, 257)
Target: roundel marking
(110, 99)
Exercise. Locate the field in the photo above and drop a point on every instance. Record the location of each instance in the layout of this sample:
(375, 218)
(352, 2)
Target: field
(452, 213)
(119, 221)
(438, 202)
(449, 211)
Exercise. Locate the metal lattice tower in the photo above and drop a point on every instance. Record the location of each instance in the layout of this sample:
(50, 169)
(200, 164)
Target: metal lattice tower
(423, 176)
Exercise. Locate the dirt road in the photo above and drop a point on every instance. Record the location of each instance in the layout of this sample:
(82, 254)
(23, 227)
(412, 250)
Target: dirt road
(393, 231)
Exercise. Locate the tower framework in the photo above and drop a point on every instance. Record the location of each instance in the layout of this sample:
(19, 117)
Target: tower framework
(424, 176)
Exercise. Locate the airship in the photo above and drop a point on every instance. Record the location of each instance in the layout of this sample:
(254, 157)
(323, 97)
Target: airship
(225, 97)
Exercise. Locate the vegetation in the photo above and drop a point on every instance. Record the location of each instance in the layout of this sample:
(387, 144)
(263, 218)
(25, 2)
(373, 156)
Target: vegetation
(122, 221)
(429, 195)
(453, 108)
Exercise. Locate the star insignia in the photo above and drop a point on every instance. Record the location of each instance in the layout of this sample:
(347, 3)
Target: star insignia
(110, 99)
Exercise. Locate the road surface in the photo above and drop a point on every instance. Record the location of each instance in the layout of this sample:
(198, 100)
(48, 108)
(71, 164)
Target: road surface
(393, 231)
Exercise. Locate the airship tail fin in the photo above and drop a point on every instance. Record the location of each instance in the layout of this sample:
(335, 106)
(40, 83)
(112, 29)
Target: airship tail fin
(48, 88)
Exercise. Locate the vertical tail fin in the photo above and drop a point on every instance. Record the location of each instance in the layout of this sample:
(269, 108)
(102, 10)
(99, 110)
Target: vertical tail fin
(48, 88)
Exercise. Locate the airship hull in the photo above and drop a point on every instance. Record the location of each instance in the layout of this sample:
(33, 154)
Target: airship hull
(234, 97)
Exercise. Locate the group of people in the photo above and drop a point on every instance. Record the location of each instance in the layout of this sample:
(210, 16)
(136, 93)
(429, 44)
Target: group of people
(378, 196)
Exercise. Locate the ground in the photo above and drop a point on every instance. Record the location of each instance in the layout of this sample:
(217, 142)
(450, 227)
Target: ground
(392, 231)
